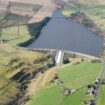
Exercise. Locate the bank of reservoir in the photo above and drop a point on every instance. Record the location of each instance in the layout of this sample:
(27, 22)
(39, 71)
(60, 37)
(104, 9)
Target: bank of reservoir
(65, 34)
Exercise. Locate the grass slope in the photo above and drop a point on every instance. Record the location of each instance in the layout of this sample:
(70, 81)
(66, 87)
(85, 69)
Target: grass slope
(8, 53)
(13, 60)
(52, 96)
(11, 34)
(74, 76)
(101, 97)
(95, 11)
(77, 76)
(23, 35)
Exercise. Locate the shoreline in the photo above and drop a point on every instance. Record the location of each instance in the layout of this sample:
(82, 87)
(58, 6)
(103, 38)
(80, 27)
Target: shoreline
(78, 19)
(81, 19)
(32, 32)
(25, 44)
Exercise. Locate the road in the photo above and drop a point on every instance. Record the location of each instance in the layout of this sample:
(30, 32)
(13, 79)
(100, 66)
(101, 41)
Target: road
(99, 83)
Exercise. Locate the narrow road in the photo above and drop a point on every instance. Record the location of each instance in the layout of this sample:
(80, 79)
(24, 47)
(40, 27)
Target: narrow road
(99, 83)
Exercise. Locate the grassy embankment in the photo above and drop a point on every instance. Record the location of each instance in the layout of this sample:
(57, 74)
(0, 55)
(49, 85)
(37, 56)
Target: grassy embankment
(27, 33)
(74, 77)
(10, 34)
(12, 61)
(15, 60)
(101, 97)
(95, 11)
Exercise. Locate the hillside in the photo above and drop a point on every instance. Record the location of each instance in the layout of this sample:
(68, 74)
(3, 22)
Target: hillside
(30, 76)
(45, 11)
(73, 77)
(17, 67)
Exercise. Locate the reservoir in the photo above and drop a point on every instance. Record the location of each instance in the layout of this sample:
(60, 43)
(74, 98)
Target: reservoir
(65, 34)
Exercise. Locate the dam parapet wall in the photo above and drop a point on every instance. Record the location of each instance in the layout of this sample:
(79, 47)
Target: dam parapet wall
(67, 53)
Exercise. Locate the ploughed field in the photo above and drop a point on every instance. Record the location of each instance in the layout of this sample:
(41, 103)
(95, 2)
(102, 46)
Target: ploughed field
(43, 11)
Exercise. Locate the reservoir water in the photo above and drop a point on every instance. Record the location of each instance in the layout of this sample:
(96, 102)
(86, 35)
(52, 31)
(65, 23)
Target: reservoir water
(65, 34)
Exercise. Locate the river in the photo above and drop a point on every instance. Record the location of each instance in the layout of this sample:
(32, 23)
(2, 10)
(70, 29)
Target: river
(65, 34)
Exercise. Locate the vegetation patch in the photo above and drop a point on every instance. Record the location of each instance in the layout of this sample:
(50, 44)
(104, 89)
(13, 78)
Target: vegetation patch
(83, 14)
(22, 35)
(101, 96)
(75, 77)
(34, 31)
(17, 68)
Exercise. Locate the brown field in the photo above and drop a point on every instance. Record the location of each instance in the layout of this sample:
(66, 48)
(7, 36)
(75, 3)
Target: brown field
(48, 7)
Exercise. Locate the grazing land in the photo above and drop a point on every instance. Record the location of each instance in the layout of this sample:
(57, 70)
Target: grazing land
(74, 77)
(27, 77)
(95, 11)
(13, 37)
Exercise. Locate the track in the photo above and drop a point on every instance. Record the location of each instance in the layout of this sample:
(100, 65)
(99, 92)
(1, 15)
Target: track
(40, 81)
(99, 83)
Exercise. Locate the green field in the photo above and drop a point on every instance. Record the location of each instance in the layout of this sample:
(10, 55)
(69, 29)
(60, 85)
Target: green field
(95, 11)
(10, 34)
(74, 77)
(101, 97)
(77, 76)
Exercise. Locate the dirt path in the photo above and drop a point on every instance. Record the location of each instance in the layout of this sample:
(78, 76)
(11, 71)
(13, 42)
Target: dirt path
(34, 85)
(40, 81)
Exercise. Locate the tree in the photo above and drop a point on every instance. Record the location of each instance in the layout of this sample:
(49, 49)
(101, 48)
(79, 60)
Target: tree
(0, 33)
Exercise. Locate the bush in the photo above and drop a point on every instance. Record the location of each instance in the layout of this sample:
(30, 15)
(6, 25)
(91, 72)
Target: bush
(66, 60)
